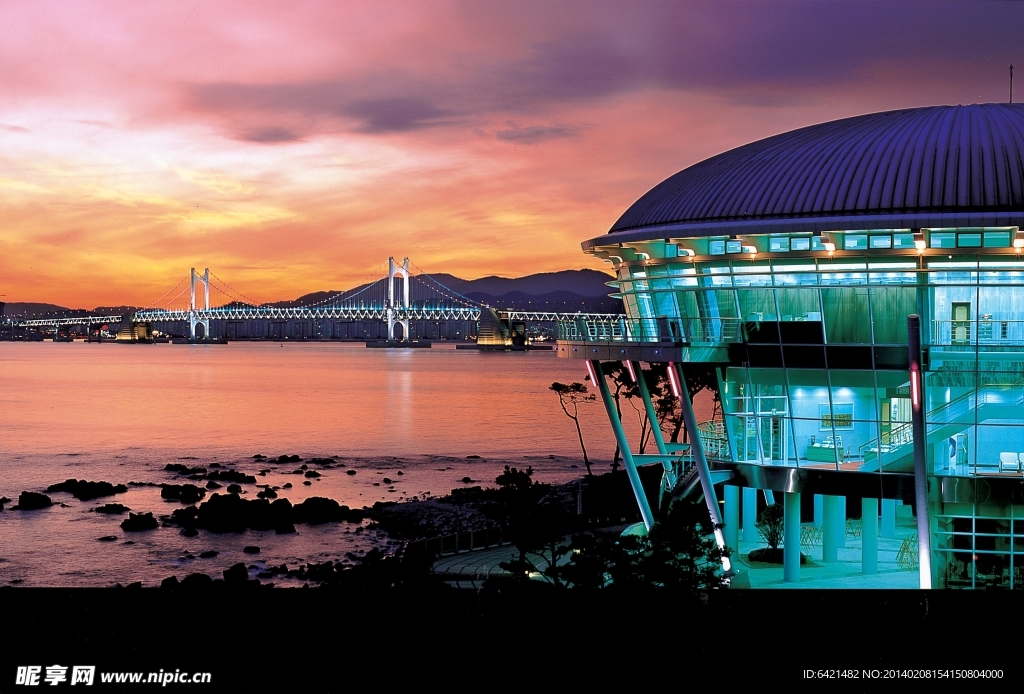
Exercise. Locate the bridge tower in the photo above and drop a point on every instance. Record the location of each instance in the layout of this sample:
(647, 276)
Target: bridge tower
(402, 271)
(193, 320)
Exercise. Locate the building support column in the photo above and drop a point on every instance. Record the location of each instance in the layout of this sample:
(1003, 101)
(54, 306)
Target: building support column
(841, 512)
(869, 536)
(791, 538)
(817, 509)
(889, 518)
(597, 377)
(732, 517)
(830, 529)
(669, 475)
(678, 380)
(749, 514)
(924, 538)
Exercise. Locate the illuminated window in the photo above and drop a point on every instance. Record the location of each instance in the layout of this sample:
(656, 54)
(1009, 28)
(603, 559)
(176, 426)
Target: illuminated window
(903, 241)
(997, 239)
(943, 240)
(779, 244)
(716, 248)
(968, 240)
(800, 244)
(881, 242)
(855, 242)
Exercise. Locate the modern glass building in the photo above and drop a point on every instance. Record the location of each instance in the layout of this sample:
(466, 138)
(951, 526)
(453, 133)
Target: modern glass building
(791, 266)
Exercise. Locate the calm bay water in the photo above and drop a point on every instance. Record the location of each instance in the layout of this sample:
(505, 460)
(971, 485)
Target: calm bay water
(120, 413)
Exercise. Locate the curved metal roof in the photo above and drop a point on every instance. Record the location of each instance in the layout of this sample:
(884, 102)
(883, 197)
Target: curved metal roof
(933, 166)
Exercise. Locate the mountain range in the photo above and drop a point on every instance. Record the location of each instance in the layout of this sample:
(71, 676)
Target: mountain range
(565, 290)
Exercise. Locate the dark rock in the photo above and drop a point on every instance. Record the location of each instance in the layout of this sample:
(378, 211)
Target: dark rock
(30, 501)
(139, 521)
(376, 484)
(189, 532)
(386, 480)
(287, 485)
(231, 476)
(317, 510)
(267, 493)
(184, 469)
(128, 542)
(84, 491)
(312, 473)
(259, 456)
(213, 485)
(350, 472)
(400, 472)
(234, 489)
(472, 457)
(134, 586)
(236, 574)
(196, 582)
(107, 538)
(208, 554)
(251, 549)
(170, 583)
(289, 459)
(111, 508)
(284, 529)
(185, 493)
(216, 465)
(467, 480)
(4, 500)
(307, 483)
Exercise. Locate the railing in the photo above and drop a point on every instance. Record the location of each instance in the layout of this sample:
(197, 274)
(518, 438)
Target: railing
(713, 438)
(696, 331)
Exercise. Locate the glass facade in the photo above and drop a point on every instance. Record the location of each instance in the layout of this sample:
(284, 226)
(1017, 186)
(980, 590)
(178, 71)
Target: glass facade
(808, 335)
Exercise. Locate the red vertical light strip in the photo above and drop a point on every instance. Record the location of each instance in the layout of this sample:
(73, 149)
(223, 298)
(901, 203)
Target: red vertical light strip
(590, 371)
(632, 373)
(915, 399)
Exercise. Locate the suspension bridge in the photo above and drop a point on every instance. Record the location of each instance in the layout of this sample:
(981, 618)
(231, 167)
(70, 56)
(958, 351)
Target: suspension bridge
(395, 298)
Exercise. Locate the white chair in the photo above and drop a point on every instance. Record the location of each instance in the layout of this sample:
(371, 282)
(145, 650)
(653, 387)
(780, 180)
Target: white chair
(1009, 462)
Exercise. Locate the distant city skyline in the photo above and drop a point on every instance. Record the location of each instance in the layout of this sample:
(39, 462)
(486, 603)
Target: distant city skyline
(292, 147)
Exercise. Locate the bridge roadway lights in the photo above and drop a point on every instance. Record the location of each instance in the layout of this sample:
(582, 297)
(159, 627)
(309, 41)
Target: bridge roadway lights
(869, 536)
(749, 514)
(791, 537)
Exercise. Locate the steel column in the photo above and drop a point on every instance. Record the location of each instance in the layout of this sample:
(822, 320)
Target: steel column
(869, 536)
(620, 438)
(697, 448)
(920, 472)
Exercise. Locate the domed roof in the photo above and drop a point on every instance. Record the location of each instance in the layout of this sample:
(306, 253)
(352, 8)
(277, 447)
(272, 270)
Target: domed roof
(920, 167)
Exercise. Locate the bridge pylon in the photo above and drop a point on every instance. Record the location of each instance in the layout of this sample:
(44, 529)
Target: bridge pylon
(193, 318)
(395, 270)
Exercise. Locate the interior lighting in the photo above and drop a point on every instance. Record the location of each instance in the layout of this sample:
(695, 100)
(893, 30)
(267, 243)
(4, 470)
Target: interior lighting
(673, 379)
(920, 245)
(1018, 245)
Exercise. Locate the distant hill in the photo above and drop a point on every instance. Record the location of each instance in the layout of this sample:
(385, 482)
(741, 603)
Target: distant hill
(587, 283)
(566, 290)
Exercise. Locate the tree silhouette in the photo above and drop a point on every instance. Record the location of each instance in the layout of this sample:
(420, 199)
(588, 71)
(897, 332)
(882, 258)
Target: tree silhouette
(570, 397)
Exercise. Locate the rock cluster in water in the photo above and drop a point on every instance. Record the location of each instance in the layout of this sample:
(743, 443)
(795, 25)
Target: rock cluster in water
(85, 491)
(229, 513)
(136, 522)
(30, 501)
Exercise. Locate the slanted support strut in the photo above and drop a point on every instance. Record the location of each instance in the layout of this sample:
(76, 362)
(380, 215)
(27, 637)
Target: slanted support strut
(690, 420)
(597, 377)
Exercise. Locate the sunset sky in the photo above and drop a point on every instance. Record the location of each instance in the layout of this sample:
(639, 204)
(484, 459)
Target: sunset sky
(292, 147)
